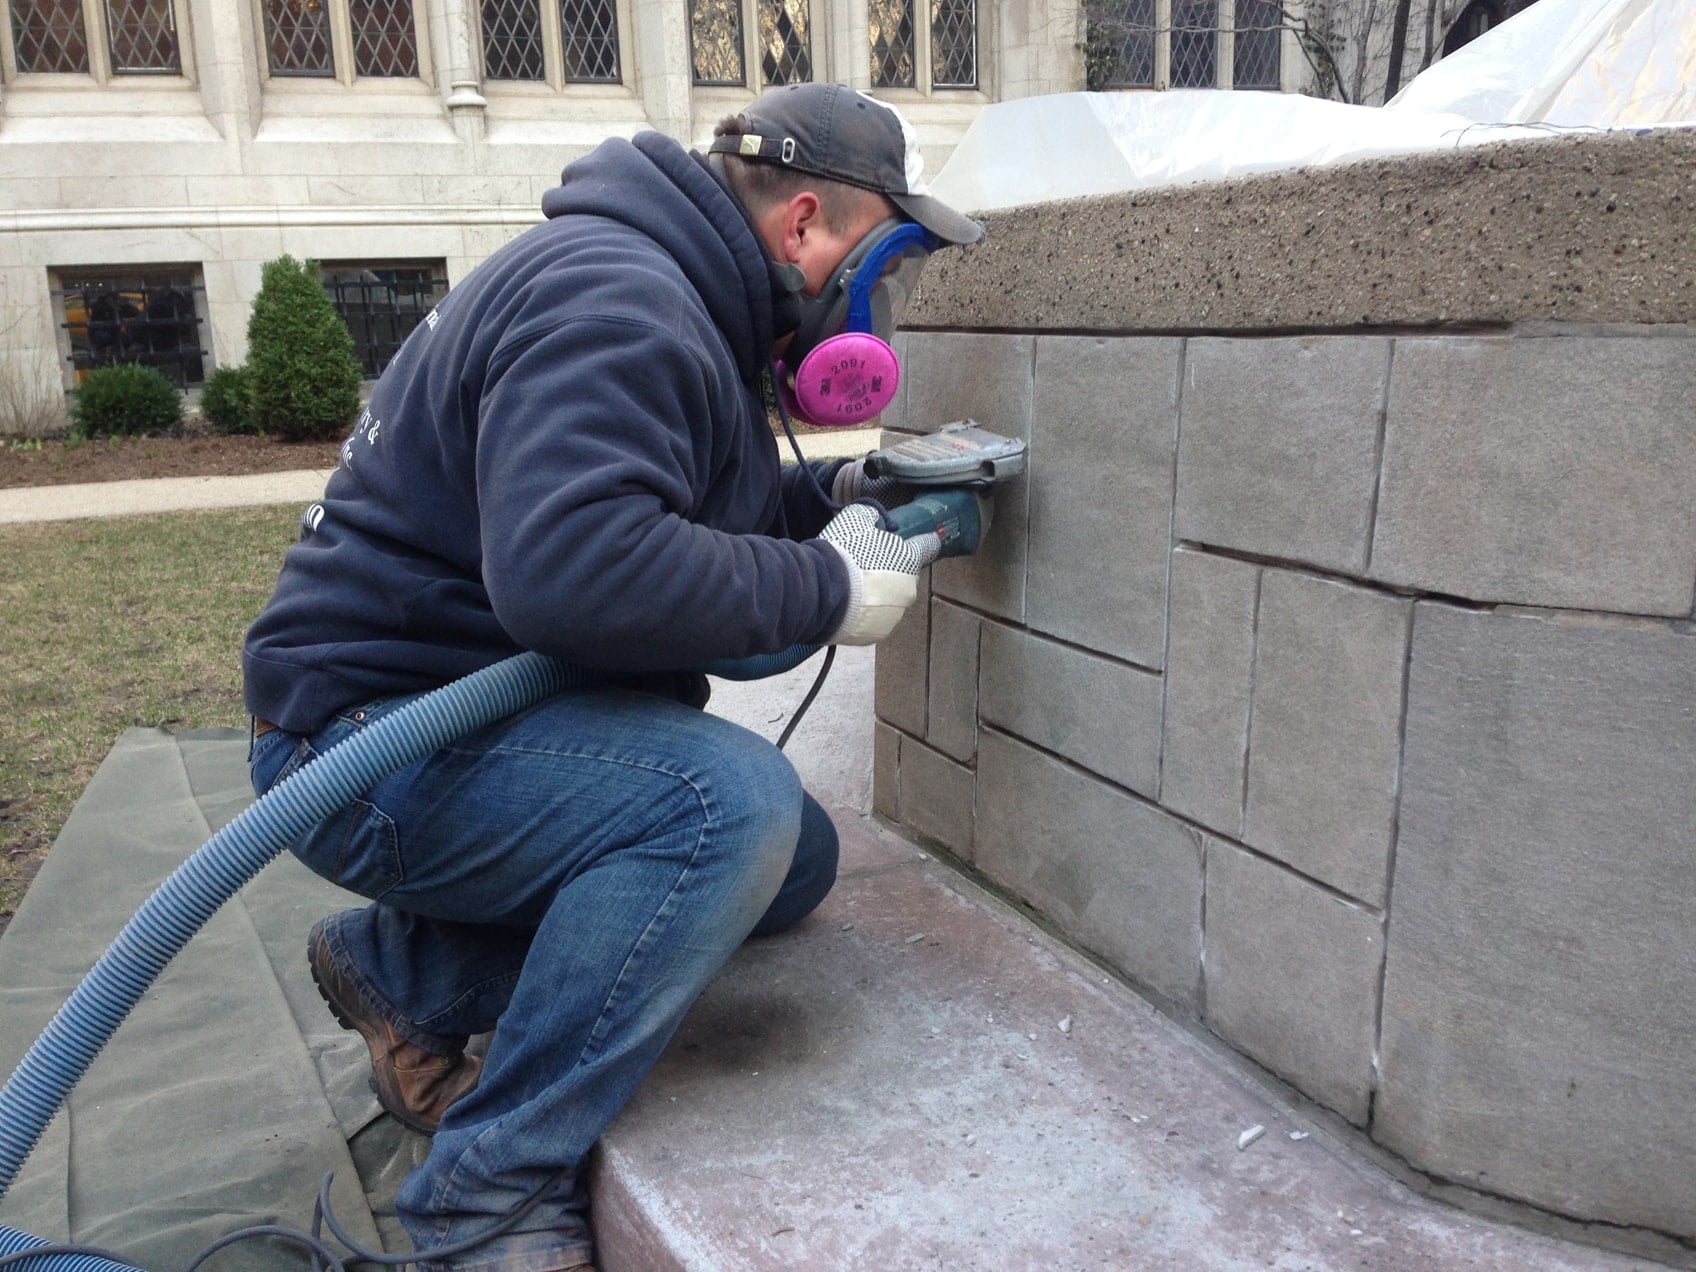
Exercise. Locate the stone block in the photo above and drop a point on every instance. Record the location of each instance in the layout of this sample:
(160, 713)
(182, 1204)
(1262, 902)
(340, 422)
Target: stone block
(1292, 977)
(1324, 732)
(1209, 685)
(1557, 471)
(987, 378)
(901, 691)
(949, 376)
(951, 725)
(886, 771)
(1103, 441)
(1099, 714)
(1538, 1014)
(937, 798)
(1278, 446)
(1112, 872)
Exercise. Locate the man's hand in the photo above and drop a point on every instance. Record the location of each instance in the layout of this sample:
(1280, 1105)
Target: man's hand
(851, 483)
(883, 574)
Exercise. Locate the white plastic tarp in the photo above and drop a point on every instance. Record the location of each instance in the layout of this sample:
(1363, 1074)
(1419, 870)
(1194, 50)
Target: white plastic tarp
(1571, 64)
(1559, 64)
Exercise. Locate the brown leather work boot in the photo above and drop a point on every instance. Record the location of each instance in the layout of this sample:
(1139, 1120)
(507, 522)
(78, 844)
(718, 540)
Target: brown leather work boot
(413, 1084)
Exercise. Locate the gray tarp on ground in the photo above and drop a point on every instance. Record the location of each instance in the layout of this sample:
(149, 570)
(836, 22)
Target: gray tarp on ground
(229, 1091)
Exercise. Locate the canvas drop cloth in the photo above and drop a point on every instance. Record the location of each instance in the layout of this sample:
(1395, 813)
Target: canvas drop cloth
(230, 1090)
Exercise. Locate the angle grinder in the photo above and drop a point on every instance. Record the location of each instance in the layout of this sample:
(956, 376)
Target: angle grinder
(955, 468)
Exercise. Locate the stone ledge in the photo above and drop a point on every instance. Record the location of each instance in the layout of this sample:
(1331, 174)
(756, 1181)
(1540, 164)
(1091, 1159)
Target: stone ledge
(1577, 229)
(917, 1077)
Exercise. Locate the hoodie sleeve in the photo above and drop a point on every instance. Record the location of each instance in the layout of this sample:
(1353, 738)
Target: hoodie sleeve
(594, 451)
(805, 512)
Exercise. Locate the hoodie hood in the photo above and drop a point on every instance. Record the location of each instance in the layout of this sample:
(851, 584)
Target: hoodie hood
(660, 190)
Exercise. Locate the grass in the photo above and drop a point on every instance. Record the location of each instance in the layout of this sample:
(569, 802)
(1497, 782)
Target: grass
(110, 623)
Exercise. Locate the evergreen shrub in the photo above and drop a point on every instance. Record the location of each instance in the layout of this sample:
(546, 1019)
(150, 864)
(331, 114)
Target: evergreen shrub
(226, 400)
(304, 376)
(126, 399)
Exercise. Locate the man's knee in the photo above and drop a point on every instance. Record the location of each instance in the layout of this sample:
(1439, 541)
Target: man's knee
(755, 795)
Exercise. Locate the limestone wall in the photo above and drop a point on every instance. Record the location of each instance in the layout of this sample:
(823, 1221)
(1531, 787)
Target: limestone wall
(1334, 677)
(225, 166)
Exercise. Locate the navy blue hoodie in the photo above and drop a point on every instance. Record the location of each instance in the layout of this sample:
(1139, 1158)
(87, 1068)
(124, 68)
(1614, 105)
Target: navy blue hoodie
(570, 455)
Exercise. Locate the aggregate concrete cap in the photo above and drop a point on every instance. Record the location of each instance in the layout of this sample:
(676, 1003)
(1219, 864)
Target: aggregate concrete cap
(1591, 229)
(832, 131)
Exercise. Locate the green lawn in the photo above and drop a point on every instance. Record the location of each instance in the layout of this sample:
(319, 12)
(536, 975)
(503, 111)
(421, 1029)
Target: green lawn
(110, 623)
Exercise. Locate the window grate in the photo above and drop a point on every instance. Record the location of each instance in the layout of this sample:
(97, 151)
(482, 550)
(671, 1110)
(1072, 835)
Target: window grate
(589, 34)
(954, 44)
(47, 37)
(142, 37)
(1195, 43)
(1256, 61)
(297, 37)
(384, 43)
(892, 44)
(382, 304)
(785, 44)
(512, 39)
(151, 318)
(715, 42)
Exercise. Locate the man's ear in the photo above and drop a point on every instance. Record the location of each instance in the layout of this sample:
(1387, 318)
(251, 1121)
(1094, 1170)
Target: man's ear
(801, 217)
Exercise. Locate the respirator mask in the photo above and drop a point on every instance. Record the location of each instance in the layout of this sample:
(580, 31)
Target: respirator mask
(839, 369)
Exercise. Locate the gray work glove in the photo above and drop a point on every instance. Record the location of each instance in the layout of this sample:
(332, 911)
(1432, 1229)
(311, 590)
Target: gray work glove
(851, 483)
(883, 573)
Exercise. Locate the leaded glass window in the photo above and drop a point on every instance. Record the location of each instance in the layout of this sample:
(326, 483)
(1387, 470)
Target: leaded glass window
(512, 40)
(142, 37)
(786, 55)
(1195, 43)
(589, 36)
(892, 44)
(954, 44)
(715, 41)
(383, 39)
(1256, 60)
(1120, 48)
(297, 37)
(47, 36)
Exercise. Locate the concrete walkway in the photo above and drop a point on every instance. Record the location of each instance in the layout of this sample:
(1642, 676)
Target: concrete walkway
(171, 494)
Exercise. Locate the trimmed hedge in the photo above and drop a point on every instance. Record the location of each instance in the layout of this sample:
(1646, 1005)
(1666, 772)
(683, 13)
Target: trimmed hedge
(126, 399)
(305, 378)
(226, 400)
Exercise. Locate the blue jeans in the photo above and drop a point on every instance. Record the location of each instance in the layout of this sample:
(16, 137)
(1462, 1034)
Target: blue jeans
(571, 878)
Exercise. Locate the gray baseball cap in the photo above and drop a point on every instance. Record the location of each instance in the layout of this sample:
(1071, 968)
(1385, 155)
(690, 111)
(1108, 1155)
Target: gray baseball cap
(829, 130)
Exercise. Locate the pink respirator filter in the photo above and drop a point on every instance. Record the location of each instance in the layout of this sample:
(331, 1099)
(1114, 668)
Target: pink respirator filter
(847, 380)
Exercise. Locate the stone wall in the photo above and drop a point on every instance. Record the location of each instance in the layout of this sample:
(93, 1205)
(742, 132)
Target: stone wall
(1337, 682)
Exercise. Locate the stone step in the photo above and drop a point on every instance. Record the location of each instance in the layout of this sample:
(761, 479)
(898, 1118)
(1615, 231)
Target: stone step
(919, 1077)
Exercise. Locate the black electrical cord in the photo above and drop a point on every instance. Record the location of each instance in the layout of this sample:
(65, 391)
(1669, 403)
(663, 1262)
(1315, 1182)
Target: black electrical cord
(824, 497)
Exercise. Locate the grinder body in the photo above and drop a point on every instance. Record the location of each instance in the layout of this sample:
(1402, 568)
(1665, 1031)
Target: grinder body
(954, 470)
(955, 519)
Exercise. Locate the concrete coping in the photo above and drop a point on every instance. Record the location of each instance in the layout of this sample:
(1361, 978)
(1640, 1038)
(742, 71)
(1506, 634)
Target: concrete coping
(1586, 229)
